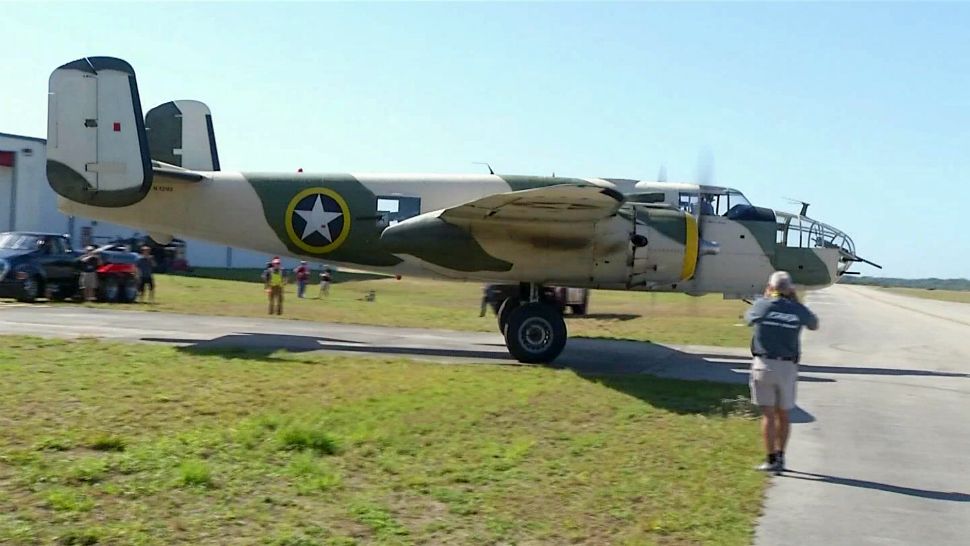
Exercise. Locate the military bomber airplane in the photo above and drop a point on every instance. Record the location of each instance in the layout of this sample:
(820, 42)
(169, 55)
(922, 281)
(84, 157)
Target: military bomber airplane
(160, 173)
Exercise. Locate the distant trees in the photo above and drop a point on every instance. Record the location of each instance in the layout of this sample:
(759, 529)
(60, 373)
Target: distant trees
(927, 284)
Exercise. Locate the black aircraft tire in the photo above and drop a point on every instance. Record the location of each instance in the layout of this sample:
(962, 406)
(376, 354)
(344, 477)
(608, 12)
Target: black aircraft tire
(504, 310)
(535, 333)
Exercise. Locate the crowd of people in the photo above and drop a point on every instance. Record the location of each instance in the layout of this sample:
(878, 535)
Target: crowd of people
(275, 279)
(91, 261)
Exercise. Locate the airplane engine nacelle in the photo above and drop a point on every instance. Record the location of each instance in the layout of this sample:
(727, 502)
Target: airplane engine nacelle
(647, 245)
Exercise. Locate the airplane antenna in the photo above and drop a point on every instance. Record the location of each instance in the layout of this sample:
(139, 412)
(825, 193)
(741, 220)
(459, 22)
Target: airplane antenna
(490, 171)
(799, 202)
(662, 175)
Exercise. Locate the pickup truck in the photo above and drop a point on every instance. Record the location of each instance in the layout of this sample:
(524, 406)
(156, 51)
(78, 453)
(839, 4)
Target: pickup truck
(38, 265)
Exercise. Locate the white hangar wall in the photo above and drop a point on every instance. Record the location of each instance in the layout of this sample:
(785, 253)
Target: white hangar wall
(27, 203)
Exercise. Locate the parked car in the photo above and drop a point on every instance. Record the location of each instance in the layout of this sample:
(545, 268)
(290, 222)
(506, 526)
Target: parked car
(44, 265)
(169, 257)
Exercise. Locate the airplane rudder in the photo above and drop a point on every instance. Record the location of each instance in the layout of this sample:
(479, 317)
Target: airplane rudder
(180, 132)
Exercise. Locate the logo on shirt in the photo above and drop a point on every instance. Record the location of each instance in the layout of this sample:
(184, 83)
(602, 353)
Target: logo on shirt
(787, 317)
(317, 220)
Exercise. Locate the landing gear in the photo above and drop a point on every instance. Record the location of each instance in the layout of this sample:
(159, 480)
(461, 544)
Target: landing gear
(504, 310)
(535, 332)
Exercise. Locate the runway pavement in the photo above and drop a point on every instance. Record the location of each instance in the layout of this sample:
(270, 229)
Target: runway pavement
(203, 332)
(884, 458)
(879, 452)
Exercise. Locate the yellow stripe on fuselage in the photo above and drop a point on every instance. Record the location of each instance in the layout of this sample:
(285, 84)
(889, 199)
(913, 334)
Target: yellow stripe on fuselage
(690, 248)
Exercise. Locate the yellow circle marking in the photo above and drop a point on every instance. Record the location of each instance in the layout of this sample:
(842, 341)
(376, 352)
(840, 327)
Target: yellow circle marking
(295, 239)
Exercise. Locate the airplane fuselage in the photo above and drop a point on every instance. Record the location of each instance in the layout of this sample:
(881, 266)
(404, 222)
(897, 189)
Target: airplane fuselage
(272, 213)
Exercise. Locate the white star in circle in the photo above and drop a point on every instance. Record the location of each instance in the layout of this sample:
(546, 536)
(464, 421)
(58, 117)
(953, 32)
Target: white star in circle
(318, 220)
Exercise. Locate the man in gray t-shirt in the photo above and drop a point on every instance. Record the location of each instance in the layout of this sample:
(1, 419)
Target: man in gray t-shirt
(778, 319)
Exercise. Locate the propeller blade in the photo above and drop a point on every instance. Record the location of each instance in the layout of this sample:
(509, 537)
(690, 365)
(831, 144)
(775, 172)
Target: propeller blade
(705, 167)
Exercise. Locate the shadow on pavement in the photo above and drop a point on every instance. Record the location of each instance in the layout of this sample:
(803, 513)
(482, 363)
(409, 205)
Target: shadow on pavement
(740, 361)
(851, 482)
(693, 385)
(603, 316)
(262, 347)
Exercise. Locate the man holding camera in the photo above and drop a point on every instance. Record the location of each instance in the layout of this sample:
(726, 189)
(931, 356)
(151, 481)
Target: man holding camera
(778, 319)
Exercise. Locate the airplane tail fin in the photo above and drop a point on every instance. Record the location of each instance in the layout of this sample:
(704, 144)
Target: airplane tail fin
(180, 133)
(97, 148)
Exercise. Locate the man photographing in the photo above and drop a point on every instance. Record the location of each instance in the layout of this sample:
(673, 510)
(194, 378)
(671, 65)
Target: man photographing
(778, 319)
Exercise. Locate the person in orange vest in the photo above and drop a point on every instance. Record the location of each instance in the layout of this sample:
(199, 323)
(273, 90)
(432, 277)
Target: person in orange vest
(274, 282)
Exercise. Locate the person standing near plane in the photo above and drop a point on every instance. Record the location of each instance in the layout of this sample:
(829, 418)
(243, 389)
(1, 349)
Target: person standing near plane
(325, 279)
(146, 267)
(90, 262)
(302, 273)
(778, 319)
(275, 280)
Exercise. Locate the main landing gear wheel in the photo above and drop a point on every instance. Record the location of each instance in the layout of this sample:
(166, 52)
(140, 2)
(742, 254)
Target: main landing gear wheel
(504, 310)
(535, 333)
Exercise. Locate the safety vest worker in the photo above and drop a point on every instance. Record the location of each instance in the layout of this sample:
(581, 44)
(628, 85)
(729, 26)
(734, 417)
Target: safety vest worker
(276, 277)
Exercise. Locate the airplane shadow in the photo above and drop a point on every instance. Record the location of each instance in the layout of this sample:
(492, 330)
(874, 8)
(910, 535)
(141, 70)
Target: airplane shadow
(263, 346)
(602, 316)
(743, 362)
(621, 370)
(851, 482)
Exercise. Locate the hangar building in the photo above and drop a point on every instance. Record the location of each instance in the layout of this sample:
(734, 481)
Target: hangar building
(27, 203)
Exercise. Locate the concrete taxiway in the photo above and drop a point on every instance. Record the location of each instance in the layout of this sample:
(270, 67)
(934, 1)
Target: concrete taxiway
(884, 457)
(881, 440)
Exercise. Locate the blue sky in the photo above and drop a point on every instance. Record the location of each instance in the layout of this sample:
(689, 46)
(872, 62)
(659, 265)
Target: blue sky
(861, 109)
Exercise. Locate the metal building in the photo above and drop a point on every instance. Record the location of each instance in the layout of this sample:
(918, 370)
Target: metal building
(27, 203)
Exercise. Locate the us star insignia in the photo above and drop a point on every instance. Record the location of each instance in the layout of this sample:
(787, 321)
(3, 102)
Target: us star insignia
(317, 220)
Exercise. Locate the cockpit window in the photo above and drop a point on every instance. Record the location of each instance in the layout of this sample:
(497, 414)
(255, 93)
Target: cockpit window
(713, 202)
(687, 201)
(734, 198)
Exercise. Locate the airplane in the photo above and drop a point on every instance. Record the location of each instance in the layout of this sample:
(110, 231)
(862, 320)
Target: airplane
(160, 173)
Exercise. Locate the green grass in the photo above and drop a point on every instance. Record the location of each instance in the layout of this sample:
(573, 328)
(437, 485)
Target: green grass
(422, 303)
(243, 448)
(962, 296)
(195, 472)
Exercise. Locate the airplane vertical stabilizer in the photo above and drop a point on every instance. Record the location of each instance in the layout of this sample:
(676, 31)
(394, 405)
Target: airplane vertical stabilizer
(180, 133)
(97, 149)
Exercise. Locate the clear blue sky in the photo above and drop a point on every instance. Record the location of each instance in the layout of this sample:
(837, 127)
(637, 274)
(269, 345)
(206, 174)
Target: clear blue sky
(861, 109)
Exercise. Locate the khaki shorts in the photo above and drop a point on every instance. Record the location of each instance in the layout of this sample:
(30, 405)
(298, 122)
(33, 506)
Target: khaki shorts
(89, 279)
(773, 383)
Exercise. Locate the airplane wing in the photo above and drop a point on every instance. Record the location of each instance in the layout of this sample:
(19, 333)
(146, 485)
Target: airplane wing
(560, 203)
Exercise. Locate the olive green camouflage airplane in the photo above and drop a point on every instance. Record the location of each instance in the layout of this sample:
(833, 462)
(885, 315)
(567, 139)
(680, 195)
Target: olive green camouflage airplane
(161, 174)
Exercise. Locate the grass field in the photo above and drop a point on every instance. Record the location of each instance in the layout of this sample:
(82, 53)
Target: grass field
(135, 444)
(962, 296)
(421, 303)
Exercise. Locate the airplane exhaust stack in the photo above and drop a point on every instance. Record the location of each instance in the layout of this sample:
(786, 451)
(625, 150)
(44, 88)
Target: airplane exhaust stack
(709, 248)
